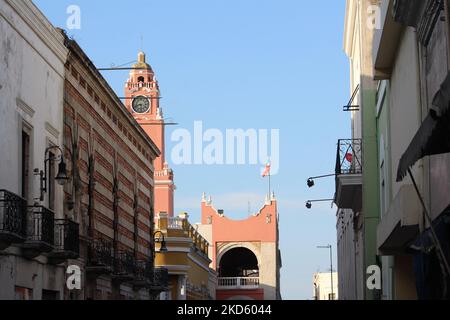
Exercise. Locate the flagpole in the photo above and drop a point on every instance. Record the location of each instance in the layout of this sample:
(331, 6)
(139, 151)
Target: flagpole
(270, 174)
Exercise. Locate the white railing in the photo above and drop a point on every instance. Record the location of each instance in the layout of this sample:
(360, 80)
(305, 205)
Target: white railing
(175, 223)
(238, 283)
(141, 85)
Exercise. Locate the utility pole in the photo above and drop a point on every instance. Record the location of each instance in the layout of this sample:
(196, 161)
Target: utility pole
(330, 247)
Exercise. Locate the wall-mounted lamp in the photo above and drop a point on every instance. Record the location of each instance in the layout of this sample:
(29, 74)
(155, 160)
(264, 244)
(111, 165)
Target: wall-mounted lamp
(162, 239)
(311, 182)
(61, 177)
(310, 202)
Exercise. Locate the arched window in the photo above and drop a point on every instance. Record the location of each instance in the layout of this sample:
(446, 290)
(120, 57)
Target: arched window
(141, 79)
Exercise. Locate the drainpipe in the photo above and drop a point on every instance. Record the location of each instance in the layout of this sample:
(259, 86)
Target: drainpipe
(447, 27)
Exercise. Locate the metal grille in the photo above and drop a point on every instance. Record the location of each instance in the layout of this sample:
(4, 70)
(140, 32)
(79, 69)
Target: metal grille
(41, 225)
(12, 213)
(349, 157)
(67, 236)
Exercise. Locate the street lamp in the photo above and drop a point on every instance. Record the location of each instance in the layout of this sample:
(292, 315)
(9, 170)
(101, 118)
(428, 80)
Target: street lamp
(310, 182)
(162, 239)
(61, 177)
(331, 263)
(310, 202)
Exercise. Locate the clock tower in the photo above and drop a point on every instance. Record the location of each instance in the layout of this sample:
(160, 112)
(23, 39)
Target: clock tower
(142, 100)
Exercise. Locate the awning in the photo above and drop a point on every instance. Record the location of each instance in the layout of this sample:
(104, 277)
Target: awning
(433, 137)
(427, 269)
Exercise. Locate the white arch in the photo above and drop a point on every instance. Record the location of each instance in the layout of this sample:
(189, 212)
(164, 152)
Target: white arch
(235, 245)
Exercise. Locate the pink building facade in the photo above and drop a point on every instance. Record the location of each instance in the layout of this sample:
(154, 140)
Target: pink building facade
(244, 253)
(142, 100)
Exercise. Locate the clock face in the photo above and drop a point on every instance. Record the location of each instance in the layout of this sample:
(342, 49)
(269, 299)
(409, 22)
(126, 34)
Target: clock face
(141, 104)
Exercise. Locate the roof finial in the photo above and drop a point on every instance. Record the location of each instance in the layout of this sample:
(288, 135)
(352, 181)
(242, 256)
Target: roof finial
(141, 57)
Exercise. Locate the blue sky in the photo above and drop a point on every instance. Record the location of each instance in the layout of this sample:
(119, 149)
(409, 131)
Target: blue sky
(260, 64)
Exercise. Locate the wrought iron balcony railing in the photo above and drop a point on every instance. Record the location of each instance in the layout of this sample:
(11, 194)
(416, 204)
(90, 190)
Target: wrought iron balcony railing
(41, 225)
(124, 264)
(143, 274)
(349, 157)
(161, 278)
(13, 213)
(40, 232)
(67, 239)
(100, 253)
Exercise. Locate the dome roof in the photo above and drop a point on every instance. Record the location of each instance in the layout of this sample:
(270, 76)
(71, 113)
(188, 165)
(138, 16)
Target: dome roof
(141, 62)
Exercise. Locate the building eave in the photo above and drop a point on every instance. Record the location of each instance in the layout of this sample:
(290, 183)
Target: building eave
(349, 26)
(74, 48)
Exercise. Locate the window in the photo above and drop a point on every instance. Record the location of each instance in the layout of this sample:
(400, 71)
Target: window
(141, 79)
(23, 294)
(25, 163)
(383, 190)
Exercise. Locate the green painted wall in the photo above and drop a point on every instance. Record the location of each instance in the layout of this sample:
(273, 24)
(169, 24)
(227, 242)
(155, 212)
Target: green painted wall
(370, 196)
(383, 137)
(384, 130)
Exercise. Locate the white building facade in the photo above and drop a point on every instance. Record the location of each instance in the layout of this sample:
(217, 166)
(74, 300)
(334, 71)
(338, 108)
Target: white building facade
(323, 282)
(31, 129)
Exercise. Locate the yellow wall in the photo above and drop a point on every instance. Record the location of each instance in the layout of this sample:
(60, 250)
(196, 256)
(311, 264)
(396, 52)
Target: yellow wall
(171, 259)
(197, 271)
(196, 274)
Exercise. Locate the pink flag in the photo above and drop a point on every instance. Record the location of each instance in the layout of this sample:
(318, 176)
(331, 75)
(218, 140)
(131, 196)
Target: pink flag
(266, 171)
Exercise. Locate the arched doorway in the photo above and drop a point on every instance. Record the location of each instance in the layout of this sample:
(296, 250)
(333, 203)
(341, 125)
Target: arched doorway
(238, 263)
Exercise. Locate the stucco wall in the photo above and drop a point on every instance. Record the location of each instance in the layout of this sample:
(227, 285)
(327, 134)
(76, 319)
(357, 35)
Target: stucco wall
(404, 103)
(31, 90)
(258, 233)
(346, 255)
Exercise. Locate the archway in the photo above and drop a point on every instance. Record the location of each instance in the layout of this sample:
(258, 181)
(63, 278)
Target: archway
(238, 263)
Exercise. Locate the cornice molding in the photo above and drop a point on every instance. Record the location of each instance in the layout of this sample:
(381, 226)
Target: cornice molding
(204, 265)
(25, 108)
(52, 130)
(37, 21)
(349, 27)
